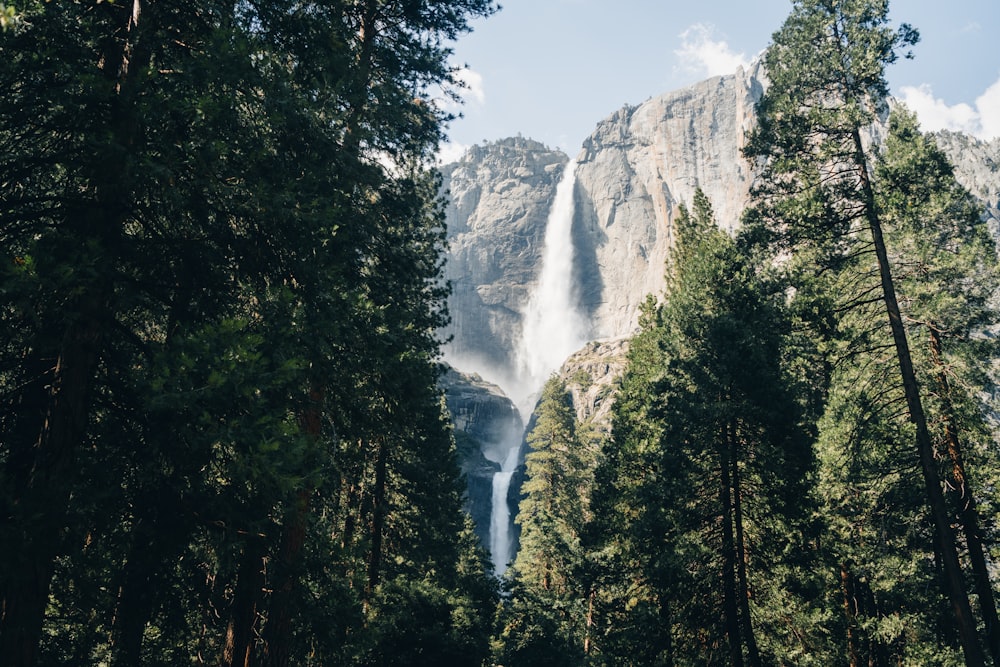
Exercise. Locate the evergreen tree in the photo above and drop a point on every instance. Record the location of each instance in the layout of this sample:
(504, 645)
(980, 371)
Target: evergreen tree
(545, 619)
(217, 325)
(946, 263)
(821, 200)
(713, 469)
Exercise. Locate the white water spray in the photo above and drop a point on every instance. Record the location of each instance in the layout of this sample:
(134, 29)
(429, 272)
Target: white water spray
(552, 329)
(500, 538)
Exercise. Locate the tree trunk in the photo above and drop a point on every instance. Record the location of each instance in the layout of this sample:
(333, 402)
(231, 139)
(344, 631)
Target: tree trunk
(278, 629)
(967, 513)
(851, 612)
(665, 647)
(40, 519)
(135, 596)
(590, 622)
(378, 518)
(238, 647)
(753, 653)
(954, 584)
(730, 604)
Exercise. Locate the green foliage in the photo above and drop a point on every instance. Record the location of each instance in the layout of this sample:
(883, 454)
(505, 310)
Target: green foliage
(865, 241)
(544, 618)
(217, 325)
(707, 435)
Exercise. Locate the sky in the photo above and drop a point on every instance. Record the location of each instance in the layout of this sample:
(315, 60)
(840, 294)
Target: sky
(552, 69)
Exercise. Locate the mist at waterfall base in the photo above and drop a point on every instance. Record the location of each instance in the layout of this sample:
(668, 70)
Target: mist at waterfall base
(552, 328)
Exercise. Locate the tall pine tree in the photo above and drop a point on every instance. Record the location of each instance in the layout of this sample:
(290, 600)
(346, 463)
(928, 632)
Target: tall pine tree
(716, 498)
(820, 197)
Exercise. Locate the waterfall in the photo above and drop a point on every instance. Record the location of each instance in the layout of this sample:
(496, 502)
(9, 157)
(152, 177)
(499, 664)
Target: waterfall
(500, 538)
(552, 329)
(552, 325)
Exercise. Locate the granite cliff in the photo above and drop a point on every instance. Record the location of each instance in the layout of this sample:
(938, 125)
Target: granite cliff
(636, 169)
(499, 196)
(977, 168)
(632, 174)
(639, 165)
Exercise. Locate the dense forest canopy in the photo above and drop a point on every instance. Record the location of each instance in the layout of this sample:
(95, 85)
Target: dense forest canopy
(222, 439)
(221, 434)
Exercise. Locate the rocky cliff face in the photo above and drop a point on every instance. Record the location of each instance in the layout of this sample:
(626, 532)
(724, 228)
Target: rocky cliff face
(499, 199)
(592, 375)
(977, 168)
(636, 169)
(485, 422)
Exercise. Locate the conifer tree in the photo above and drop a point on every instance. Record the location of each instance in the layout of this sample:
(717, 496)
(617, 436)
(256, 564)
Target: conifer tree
(218, 322)
(820, 198)
(545, 617)
(717, 444)
(946, 263)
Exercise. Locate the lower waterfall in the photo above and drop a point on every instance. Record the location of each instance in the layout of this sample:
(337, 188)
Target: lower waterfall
(552, 328)
(501, 540)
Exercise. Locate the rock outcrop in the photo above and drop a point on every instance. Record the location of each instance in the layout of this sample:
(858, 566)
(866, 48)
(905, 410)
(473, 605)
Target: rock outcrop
(499, 198)
(636, 169)
(977, 168)
(485, 422)
(592, 375)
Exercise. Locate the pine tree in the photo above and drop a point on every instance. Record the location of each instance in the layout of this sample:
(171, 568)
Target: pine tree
(545, 618)
(218, 301)
(947, 270)
(820, 198)
(716, 444)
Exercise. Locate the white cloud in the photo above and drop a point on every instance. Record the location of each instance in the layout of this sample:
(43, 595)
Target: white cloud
(451, 152)
(934, 114)
(702, 55)
(469, 88)
(988, 105)
(473, 85)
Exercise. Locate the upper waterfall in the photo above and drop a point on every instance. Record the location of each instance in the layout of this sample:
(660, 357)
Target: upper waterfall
(552, 325)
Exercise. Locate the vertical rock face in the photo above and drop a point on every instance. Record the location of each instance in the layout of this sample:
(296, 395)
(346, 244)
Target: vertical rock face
(977, 168)
(485, 422)
(499, 199)
(638, 166)
(592, 375)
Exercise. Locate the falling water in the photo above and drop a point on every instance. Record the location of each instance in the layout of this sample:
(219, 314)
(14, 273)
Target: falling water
(500, 537)
(552, 329)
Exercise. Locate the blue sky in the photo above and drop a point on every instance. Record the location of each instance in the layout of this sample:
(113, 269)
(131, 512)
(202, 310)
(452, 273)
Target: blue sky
(551, 69)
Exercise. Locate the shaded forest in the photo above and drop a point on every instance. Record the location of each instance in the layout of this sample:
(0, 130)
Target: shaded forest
(222, 439)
